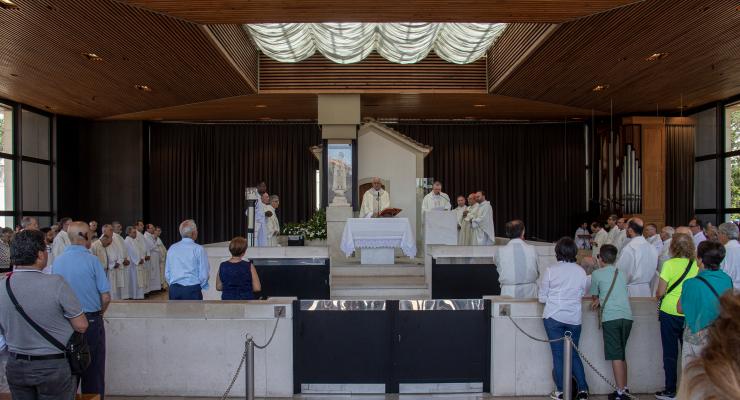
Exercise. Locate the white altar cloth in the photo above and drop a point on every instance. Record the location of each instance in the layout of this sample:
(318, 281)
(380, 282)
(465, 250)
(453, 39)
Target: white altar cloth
(440, 227)
(378, 233)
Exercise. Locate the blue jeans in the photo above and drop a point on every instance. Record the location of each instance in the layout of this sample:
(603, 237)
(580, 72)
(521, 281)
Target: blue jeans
(93, 379)
(671, 335)
(180, 292)
(555, 330)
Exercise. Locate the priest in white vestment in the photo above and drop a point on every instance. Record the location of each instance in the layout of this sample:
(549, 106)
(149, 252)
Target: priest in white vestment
(435, 200)
(61, 240)
(144, 250)
(638, 261)
(138, 281)
(269, 224)
(124, 269)
(155, 279)
(728, 236)
(582, 242)
(517, 264)
(482, 221)
(613, 230)
(598, 239)
(466, 227)
(460, 212)
(163, 256)
(273, 224)
(375, 200)
(652, 237)
(107, 253)
(262, 214)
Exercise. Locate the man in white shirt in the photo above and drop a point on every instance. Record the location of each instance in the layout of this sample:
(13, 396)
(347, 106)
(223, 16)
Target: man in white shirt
(652, 237)
(697, 231)
(375, 200)
(600, 238)
(581, 241)
(666, 234)
(622, 238)
(517, 264)
(61, 240)
(482, 221)
(435, 200)
(638, 261)
(728, 235)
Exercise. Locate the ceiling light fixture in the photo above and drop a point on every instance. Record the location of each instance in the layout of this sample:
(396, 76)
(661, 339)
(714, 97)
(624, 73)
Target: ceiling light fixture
(599, 88)
(8, 5)
(261, 106)
(656, 56)
(143, 88)
(92, 57)
(480, 105)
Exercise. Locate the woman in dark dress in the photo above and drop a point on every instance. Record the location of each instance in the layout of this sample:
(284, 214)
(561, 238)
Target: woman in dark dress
(237, 279)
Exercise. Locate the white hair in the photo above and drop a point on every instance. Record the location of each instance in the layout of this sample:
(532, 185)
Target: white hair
(730, 230)
(187, 227)
(26, 221)
(669, 231)
(274, 197)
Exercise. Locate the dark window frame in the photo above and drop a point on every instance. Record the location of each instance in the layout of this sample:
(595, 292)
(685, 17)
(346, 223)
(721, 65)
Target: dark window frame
(18, 159)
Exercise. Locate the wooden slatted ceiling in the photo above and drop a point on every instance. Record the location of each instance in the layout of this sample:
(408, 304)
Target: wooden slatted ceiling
(41, 61)
(261, 11)
(375, 105)
(512, 48)
(235, 41)
(374, 74)
(701, 37)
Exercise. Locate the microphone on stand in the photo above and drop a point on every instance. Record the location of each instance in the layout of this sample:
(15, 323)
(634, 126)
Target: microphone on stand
(378, 203)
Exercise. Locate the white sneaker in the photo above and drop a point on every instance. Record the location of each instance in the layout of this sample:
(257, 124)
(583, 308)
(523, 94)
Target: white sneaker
(555, 395)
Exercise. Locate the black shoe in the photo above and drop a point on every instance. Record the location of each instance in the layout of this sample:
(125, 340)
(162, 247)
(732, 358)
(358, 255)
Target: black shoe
(616, 396)
(582, 395)
(665, 395)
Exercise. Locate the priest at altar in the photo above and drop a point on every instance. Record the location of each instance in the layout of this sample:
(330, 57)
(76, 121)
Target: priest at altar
(375, 200)
(481, 220)
(436, 200)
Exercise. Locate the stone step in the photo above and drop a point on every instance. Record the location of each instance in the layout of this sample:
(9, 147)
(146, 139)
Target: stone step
(378, 270)
(378, 281)
(399, 293)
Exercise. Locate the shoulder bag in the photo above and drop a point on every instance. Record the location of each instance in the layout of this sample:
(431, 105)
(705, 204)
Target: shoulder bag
(76, 351)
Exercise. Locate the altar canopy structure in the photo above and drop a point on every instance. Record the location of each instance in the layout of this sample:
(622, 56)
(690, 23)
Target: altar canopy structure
(402, 43)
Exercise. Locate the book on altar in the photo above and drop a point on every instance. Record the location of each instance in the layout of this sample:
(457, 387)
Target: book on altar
(389, 212)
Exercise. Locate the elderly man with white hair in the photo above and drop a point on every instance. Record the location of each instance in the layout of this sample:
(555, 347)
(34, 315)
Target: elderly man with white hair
(29, 223)
(728, 235)
(186, 268)
(375, 200)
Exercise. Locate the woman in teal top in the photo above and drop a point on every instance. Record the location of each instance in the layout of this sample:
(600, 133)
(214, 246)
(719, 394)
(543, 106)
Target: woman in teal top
(700, 298)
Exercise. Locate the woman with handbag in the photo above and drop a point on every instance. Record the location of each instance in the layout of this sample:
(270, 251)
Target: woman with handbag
(675, 271)
(700, 298)
(38, 314)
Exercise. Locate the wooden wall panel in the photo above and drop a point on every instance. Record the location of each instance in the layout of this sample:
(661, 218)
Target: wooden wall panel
(372, 75)
(653, 161)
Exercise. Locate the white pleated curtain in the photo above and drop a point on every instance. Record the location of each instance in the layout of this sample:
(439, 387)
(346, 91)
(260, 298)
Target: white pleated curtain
(403, 43)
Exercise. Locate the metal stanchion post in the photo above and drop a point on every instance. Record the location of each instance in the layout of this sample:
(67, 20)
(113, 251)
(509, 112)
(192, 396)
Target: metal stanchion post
(567, 367)
(249, 369)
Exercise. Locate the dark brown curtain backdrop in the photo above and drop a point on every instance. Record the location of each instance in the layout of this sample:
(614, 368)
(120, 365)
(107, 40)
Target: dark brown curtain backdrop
(532, 172)
(199, 171)
(679, 172)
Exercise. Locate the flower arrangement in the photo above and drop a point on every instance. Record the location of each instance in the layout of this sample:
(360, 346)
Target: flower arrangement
(313, 229)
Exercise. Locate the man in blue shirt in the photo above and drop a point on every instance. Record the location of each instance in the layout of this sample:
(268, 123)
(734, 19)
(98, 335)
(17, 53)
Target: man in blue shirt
(86, 276)
(186, 268)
